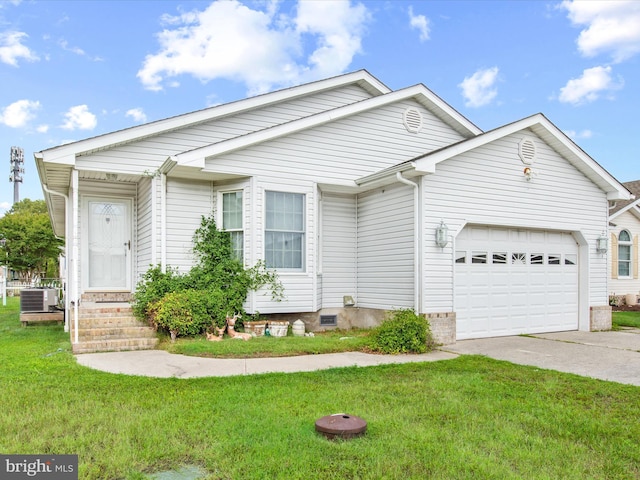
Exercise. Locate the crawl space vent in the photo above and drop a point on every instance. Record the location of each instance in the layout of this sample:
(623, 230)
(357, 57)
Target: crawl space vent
(328, 320)
(412, 119)
(527, 150)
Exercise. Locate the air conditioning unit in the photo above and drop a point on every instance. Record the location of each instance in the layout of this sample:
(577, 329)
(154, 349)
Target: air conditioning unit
(34, 300)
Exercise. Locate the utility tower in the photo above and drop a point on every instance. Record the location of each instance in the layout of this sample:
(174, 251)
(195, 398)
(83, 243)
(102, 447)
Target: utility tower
(17, 169)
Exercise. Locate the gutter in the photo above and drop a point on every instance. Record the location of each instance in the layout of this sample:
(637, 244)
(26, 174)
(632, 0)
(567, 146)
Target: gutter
(417, 225)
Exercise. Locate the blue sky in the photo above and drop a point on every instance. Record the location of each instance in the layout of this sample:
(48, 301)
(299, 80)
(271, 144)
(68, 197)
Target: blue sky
(71, 70)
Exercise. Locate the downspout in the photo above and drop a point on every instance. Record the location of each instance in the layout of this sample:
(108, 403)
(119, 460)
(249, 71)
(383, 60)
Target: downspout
(417, 262)
(66, 248)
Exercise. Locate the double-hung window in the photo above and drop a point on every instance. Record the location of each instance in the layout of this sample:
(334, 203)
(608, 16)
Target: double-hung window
(285, 230)
(624, 254)
(232, 221)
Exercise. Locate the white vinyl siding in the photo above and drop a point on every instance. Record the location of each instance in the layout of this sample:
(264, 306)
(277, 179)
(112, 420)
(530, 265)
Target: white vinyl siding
(385, 248)
(148, 154)
(341, 151)
(338, 249)
(487, 186)
(144, 244)
(187, 202)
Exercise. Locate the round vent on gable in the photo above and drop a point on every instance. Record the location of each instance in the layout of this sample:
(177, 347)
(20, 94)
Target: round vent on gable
(527, 150)
(412, 120)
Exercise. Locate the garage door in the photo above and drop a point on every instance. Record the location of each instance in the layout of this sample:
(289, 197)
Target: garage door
(510, 281)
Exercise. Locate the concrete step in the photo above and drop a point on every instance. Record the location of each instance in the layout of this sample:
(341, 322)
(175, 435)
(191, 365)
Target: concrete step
(119, 345)
(90, 334)
(110, 322)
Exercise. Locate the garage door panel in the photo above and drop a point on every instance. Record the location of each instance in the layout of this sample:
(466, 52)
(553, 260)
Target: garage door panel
(529, 283)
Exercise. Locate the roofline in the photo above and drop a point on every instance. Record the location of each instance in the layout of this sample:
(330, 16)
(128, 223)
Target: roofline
(197, 157)
(615, 190)
(632, 206)
(66, 153)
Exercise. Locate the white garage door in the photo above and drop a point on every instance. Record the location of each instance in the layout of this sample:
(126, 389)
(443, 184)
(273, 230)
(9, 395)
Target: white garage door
(511, 281)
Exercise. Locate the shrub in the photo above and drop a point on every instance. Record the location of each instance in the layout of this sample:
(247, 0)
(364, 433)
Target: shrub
(402, 332)
(155, 284)
(182, 313)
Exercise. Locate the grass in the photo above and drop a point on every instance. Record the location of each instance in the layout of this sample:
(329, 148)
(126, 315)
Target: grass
(326, 342)
(471, 417)
(626, 319)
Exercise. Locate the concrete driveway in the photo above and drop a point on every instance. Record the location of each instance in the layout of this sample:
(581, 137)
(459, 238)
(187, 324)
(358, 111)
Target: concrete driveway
(613, 356)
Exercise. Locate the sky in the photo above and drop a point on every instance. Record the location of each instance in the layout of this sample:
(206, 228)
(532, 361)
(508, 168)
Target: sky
(71, 70)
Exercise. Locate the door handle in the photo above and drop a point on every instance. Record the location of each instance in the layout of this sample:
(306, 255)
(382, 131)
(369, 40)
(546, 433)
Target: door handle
(128, 244)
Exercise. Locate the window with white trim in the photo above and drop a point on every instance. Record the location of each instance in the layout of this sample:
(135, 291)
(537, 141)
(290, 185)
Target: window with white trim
(232, 221)
(624, 254)
(284, 234)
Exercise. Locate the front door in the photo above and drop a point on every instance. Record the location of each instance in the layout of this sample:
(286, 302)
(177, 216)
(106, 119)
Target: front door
(109, 248)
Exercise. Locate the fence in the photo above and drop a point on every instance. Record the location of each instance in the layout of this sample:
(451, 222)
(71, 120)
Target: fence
(14, 286)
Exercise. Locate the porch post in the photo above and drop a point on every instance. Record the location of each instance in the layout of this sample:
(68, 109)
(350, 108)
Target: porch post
(75, 254)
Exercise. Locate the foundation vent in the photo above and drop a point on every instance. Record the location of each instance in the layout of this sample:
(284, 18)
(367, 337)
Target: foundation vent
(328, 320)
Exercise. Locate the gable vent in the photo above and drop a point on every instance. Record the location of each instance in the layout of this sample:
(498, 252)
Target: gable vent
(527, 151)
(412, 120)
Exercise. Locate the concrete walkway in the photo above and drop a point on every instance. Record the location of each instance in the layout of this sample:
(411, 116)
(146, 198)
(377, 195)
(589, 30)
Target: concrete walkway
(613, 356)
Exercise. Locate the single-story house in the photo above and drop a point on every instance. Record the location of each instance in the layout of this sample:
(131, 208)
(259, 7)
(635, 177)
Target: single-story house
(362, 198)
(624, 225)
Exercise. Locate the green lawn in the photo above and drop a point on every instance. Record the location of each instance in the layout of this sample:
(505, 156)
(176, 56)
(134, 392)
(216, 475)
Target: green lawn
(470, 417)
(626, 319)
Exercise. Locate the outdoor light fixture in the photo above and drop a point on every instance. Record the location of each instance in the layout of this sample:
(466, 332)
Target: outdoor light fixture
(442, 235)
(601, 243)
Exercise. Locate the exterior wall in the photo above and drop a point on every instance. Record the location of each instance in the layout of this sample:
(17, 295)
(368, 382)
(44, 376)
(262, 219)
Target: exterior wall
(385, 248)
(148, 154)
(144, 245)
(338, 249)
(487, 186)
(341, 151)
(187, 202)
(631, 285)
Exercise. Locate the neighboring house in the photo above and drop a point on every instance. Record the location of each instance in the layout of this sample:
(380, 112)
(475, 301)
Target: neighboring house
(625, 229)
(343, 186)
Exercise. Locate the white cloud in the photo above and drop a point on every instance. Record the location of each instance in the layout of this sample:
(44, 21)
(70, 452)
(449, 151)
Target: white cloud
(611, 26)
(589, 87)
(79, 117)
(137, 114)
(11, 48)
(478, 89)
(4, 208)
(421, 23)
(579, 135)
(263, 49)
(42, 128)
(77, 50)
(19, 113)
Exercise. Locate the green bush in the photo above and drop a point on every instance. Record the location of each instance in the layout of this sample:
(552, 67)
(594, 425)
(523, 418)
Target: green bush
(183, 313)
(214, 288)
(403, 332)
(155, 284)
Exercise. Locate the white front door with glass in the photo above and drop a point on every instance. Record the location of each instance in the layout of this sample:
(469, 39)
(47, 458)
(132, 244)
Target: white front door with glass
(109, 244)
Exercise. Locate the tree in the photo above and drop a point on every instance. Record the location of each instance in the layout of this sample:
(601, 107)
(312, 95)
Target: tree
(31, 249)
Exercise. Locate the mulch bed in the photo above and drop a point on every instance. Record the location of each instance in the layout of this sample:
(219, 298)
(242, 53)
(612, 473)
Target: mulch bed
(627, 308)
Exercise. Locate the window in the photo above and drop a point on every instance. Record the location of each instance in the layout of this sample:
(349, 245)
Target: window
(537, 259)
(570, 259)
(624, 254)
(499, 258)
(232, 221)
(519, 258)
(284, 230)
(554, 259)
(478, 257)
(461, 257)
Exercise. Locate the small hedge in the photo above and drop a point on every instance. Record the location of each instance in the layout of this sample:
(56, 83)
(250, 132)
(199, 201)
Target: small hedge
(403, 332)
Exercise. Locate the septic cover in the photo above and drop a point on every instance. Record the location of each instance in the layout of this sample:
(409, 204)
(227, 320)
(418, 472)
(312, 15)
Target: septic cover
(341, 425)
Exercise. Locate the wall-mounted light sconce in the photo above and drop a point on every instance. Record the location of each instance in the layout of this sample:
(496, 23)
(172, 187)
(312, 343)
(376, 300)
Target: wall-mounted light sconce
(602, 243)
(528, 173)
(442, 235)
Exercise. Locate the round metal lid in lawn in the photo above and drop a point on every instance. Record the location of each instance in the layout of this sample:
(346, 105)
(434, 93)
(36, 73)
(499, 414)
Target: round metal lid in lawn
(341, 425)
